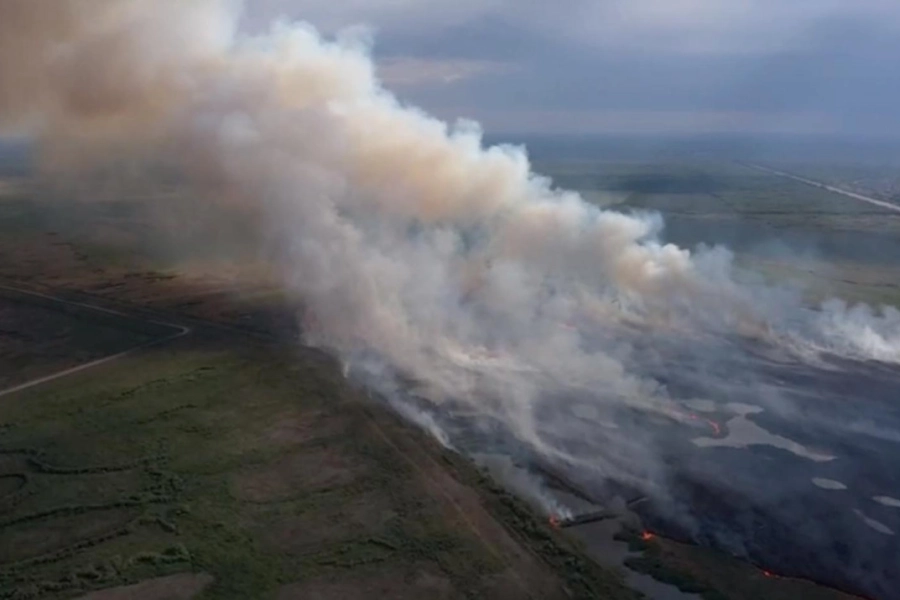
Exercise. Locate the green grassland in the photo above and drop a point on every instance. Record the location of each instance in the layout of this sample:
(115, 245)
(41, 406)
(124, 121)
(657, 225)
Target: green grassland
(262, 468)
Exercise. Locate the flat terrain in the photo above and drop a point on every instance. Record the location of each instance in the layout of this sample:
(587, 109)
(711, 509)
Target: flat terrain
(37, 341)
(261, 468)
(783, 230)
(233, 463)
(823, 245)
(714, 576)
(229, 462)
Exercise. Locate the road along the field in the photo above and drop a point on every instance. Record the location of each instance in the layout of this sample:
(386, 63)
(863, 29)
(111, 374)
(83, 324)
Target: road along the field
(825, 186)
(179, 331)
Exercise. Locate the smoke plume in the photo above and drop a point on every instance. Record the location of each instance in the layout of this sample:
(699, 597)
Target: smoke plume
(422, 256)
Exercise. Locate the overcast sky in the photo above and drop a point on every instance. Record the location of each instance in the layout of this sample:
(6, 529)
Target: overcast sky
(633, 65)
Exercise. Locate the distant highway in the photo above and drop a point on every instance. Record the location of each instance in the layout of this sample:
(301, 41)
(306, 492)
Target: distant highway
(825, 186)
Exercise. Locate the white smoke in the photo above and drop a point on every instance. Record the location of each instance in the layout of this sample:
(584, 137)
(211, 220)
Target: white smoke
(416, 249)
(860, 331)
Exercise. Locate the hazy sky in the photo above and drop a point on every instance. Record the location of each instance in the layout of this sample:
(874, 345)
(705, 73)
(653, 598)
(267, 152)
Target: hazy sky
(633, 65)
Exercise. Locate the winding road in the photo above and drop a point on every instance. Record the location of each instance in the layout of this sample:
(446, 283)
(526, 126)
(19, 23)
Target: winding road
(180, 331)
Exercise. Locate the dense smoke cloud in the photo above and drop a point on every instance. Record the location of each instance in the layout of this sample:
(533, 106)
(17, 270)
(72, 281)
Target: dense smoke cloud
(422, 256)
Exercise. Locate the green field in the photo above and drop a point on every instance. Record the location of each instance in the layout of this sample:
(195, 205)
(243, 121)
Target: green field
(234, 463)
(260, 468)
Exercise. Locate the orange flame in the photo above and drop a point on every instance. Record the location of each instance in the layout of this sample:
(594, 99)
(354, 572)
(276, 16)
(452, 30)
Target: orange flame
(647, 536)
(554, 521)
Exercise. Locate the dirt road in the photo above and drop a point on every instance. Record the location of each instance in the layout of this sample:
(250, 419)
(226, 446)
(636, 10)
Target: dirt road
(180, 331)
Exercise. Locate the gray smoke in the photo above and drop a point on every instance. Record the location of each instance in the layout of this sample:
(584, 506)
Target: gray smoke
(422, 256)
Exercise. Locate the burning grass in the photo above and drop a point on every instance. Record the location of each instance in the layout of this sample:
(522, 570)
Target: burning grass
(712, 575)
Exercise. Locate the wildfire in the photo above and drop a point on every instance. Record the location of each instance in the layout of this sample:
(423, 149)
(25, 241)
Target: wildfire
(716, 429)
(647, 536)
(554, 521)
